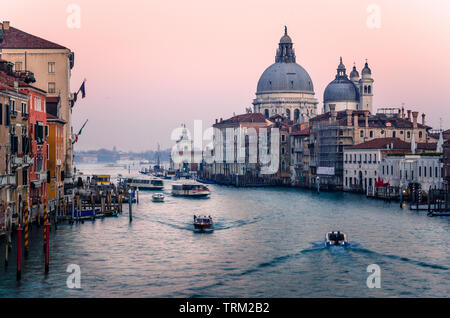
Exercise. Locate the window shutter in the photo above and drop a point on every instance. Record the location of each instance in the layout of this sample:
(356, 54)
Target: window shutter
(1, 114)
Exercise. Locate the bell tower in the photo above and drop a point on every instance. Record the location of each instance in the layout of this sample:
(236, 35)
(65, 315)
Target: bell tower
(366, 88)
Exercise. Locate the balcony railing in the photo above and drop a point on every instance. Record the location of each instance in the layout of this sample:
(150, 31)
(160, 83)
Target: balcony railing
(7, 180)
(13, 113)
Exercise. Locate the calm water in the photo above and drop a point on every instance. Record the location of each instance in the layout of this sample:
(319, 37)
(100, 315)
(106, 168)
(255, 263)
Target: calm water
(267, 243)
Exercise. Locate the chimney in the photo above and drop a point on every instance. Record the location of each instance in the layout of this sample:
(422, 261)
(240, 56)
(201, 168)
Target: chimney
(409, 115)
(217, 120)
(403, 112)
(423, 119)
(5, 25)
(366, 116)
(349, 117)
(355, 120)
(415, 115)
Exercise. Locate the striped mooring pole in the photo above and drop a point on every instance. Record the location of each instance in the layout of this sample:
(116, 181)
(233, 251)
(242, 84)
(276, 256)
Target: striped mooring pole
(47, 247)
(26, 230)
(45, 224)
(19, 252)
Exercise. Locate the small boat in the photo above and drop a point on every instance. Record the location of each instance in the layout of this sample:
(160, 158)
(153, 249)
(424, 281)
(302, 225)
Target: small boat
(203, 223)
(336, 239)
(191, 189)
(158, 197)
(206, 181)
(145, 183)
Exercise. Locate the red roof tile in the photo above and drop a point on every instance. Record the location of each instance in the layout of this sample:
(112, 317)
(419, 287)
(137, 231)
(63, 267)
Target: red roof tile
(16, 39)
(245, 118)
(397, 144)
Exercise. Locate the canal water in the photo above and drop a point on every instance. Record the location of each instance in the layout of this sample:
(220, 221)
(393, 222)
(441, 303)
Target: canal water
(268, 242)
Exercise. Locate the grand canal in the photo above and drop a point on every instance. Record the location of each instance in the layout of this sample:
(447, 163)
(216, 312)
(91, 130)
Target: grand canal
(267, 243)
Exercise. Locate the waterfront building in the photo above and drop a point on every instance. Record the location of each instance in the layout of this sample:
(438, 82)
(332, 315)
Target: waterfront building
(300, 156)
(335, 130)
(184, 157)
(55, 141)
(285, 88)
(362, 161)
(236, 157)
(37, 141)
(446, 163)
(405, 170)
(352, 93)
(18, 159)
(51, 63)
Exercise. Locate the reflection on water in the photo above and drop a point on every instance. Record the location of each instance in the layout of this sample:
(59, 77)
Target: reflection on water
(267, 243)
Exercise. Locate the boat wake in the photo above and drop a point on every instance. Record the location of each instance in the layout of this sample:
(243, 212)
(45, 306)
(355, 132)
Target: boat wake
(399, 258)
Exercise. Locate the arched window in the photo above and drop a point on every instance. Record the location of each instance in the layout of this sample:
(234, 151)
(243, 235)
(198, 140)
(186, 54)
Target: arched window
(365, 89)
(369, 89)
(420, 134)
(288, 113)
(393, 134)
(283, 165)
(408, 135)
(296, 114)
(266, 113)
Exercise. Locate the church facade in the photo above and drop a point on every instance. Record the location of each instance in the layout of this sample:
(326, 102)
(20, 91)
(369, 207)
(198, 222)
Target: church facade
(354, 93)
(285, 88)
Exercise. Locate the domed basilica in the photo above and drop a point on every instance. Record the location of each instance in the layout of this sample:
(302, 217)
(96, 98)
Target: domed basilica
(285, 88)
(355, 93)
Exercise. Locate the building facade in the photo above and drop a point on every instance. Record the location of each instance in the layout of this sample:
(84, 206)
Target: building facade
(55, 141)
(355, 93)
(405, 170)
(51, 63)
(333, 131)
(285, 88)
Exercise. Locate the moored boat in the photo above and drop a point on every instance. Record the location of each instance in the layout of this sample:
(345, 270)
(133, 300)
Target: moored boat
(158, 197)
(191, 189)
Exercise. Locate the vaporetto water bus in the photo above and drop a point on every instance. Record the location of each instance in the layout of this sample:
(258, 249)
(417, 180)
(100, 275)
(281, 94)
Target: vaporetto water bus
(145, 183)
(190, 189)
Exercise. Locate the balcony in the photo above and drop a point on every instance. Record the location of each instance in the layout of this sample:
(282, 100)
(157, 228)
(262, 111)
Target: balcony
(7, 180)
(25, 116)
(13, 113)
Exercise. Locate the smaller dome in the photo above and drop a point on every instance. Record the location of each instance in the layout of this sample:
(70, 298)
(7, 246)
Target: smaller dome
(354, 73)
(341, 90)
(366, 70)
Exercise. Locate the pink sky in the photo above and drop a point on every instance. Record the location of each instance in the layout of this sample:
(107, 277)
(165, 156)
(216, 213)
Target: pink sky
(152, 65)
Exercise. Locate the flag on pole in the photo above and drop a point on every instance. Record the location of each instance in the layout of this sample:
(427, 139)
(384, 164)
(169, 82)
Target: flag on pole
(83, 89)
(75, 137)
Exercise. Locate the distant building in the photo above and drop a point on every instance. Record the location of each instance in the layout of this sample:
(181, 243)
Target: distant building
(354, 94)
(300, 157)
(446, 163)
(333, 131)
(51, 63)
(405, 170)
(363, 162)
(285, 88)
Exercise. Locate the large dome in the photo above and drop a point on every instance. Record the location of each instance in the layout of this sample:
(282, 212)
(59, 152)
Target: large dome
(285, 77)
(341, 90)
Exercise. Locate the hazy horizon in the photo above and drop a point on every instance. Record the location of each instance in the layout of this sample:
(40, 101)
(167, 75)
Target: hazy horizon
(151, 66)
